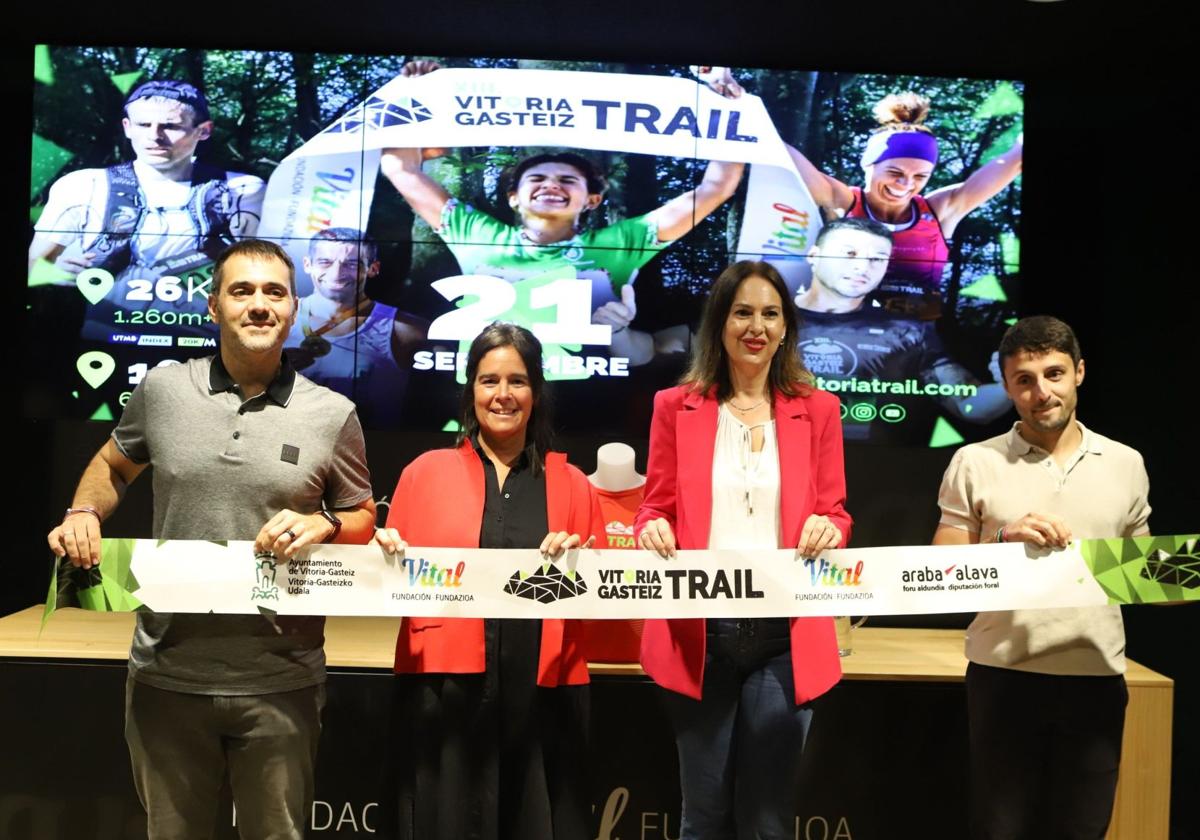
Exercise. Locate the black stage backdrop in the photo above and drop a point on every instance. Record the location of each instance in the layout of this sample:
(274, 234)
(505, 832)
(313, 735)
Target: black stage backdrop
(1102, 244)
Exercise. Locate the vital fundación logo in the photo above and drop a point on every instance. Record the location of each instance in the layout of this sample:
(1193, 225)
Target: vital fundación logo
(954, 578)
(380, 113)
(432, 582)
(266, 590)
(830, 581)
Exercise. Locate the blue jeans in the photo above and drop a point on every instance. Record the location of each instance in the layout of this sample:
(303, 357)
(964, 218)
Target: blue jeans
(740, 746)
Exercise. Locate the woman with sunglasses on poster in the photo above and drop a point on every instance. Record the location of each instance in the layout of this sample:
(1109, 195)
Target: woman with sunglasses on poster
(744, 454)
(490, 716)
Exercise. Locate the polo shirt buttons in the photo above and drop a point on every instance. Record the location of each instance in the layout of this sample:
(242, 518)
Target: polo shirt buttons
(237, 435)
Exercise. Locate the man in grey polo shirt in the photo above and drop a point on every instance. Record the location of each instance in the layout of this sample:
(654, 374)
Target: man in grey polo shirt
(1045, 688)
(243, 448)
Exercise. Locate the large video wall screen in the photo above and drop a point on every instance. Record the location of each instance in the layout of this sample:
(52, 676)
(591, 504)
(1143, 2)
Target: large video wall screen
(594, 203)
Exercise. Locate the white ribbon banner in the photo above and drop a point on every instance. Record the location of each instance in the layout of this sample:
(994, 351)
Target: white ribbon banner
(330, 180)
(194, 576)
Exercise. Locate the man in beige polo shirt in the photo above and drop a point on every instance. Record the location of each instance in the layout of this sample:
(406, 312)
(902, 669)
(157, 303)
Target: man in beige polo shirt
(1045, 688)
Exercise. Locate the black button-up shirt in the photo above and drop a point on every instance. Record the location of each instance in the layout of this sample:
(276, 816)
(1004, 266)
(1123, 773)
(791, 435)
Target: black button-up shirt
(513, 516)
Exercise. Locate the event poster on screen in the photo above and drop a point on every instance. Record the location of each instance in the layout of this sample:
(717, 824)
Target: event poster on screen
(423, 197)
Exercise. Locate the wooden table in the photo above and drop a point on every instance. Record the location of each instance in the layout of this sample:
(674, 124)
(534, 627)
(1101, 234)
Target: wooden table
(887, 654)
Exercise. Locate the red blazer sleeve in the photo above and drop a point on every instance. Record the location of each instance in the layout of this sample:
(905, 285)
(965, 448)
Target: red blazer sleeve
(586, 518)
(401, 500)
(661, 495)
(831, 469)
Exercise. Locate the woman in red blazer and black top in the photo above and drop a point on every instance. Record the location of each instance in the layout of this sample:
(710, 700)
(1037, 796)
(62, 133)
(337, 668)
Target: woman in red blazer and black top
(490, 716)
(745, 453)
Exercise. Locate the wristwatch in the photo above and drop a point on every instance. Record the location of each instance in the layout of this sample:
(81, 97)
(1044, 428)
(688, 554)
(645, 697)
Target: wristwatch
(332, 520)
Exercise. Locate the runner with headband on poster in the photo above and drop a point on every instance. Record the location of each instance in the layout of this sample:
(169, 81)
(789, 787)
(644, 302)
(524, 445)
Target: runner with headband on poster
(897, 162)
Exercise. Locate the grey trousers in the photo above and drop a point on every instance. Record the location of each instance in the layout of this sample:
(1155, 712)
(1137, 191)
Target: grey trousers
(183, 745)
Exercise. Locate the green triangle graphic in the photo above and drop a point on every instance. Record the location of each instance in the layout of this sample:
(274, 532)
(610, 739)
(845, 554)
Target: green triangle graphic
(986, 287)
(1002, 101)
(1010, 249)
(92, 598)
(112, 593)
(1145, 591)
(121, 561)
(43, 67)
(452, 426)
(1101, 557)
(1114, 583)
(1003, 142)
(48, 157)
(1131, 551)
(1010, 321)
(125, 81)
(102, 413)
(52, 597)
(944, 435)
(45, 272)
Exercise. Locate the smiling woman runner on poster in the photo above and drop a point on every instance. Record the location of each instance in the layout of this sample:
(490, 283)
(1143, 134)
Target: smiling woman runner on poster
(490, 716)
(897, 162)
(744, 454)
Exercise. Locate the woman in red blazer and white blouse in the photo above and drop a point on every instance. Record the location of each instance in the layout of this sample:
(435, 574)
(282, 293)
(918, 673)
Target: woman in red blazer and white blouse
(745, 453)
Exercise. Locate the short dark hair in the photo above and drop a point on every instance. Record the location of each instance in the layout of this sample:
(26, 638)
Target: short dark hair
(185, 94)
(253, 249)
(1039, 334)
(538, 433)
(854, 223)
(347, 236)
(596, 182)
(710, 364)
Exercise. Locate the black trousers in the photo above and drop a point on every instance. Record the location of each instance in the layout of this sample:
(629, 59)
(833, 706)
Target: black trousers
(488, 756)
(1045, 750)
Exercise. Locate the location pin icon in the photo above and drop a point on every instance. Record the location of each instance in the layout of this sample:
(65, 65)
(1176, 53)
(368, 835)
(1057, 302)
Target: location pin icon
(95, 284)
(95, 367)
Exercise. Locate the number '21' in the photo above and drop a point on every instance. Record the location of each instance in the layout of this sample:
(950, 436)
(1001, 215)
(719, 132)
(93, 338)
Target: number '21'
(572, 300)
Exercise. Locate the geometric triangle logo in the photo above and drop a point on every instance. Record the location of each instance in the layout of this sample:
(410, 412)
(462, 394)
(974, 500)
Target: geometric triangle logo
(380, 113)
(546, 586)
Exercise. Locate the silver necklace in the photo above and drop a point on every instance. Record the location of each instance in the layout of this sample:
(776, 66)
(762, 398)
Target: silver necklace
(744, 410)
